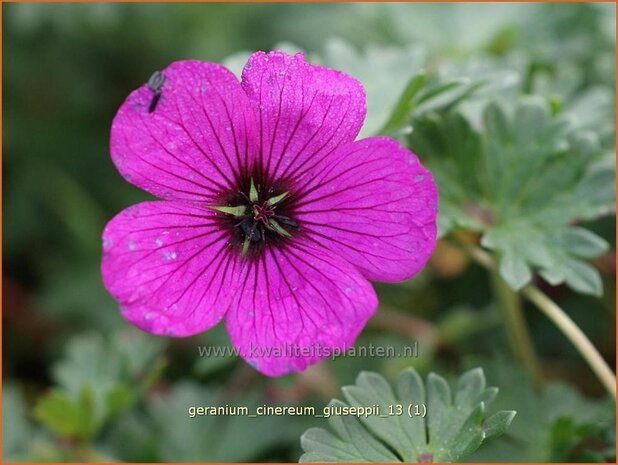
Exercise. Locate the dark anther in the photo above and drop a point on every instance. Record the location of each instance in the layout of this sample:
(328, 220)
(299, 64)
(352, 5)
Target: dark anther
(286, 221)
(250, 229)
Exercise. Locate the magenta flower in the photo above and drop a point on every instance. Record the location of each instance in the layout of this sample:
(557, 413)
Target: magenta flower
(273, 218)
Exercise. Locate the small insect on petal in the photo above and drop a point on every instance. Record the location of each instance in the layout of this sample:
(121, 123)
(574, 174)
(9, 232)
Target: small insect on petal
(274, 200)
(156, 81)
(154, 102)
(155, 84)
(234, 211)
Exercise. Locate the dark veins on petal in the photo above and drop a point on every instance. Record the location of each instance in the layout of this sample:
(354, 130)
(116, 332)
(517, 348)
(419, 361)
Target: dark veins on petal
(257, 211)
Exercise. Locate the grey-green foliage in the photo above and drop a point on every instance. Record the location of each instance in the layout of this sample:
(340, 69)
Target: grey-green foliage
(408, 85)
(383, 89)
(402, 88)
(165, 431)
(522, 180)
(16, 429)
(454, 426)
(96, 380)
(555, 423)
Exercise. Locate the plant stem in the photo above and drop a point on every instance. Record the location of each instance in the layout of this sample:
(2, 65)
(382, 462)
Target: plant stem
(515, 327)
(574, 334)
(559, 318)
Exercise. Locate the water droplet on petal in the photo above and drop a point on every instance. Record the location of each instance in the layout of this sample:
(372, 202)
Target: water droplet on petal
(158, 242)
(132, 245)
(170, 255)
(107, 243)
(419, 178)
(148, 316)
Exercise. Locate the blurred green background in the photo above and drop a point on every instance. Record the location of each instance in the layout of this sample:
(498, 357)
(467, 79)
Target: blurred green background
(68, 67)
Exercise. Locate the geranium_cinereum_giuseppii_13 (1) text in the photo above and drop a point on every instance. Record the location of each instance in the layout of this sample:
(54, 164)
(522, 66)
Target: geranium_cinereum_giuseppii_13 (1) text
(272, 217)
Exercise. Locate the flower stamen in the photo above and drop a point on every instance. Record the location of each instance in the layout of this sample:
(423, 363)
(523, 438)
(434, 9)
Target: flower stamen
(260, 217)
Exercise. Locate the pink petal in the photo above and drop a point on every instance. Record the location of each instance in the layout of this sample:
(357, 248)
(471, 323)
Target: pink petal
(295, 305)
(167, 264)
(374, 204)
(305, 111)
(193, 143)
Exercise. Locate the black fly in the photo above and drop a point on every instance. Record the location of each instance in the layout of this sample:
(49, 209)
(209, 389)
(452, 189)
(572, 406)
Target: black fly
(155, 83)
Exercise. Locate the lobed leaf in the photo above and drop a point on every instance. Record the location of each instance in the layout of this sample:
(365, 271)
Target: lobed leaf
(454, 427)
(554, 423)
(523, 181)
(96, 380)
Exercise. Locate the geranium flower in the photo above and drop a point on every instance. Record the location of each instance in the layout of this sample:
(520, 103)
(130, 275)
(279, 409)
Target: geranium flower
(272, 217)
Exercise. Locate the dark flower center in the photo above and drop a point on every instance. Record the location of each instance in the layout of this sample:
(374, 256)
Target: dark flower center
(257, 216)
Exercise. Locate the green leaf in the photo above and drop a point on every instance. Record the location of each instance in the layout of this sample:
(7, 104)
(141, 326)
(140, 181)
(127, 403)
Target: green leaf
(401, 90)
(522, 180)
(215, 438)
(446, 95)
(97, 379)
(422, 96)
(552, 423)
(386, 89)
(350, 442)
(497, 424)
(207, 365)
(513, 268)
(69, 418)
(453, 428)
(16, 429)
(583, 243)
(405, 105)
